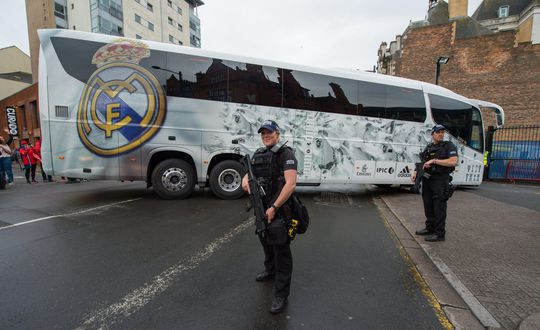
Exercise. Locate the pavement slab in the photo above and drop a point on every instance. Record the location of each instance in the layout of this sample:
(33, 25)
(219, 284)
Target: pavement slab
(491, 247)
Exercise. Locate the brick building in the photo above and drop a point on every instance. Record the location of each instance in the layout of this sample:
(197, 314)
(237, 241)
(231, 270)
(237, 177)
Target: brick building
(25, 103)
(496, 58)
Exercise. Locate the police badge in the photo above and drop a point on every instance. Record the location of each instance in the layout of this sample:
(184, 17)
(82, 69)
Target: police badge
(122, 105)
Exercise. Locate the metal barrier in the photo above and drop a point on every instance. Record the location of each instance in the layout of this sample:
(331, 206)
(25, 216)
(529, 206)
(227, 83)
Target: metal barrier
(515, 153)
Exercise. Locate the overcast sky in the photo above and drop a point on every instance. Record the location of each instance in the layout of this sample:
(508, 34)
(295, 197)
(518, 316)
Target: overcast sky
(332, 34)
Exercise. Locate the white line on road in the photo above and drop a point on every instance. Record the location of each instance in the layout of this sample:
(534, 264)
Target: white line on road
(132, 302)
(69, 214)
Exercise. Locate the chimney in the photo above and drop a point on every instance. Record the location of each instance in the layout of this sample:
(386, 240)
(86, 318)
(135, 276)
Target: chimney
(457, 8)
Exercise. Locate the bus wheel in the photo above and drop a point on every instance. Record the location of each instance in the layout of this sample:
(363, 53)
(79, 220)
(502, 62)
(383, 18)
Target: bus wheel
(226, 179)
(173, 179)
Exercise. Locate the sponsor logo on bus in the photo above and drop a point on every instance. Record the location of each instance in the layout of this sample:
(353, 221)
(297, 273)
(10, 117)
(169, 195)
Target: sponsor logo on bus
(122, 105)
(364, 168)
(386, 170)
(406, 172)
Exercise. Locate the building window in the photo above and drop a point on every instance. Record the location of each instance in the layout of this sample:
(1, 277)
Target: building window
(150, 7)
(170, 20)
(144, 22)
(180, 28)
(180, 42)
(179, 10)
(169, 2)
(72, 6)
(504, 11)
(171, 38)
(138, 36)
(74, 27)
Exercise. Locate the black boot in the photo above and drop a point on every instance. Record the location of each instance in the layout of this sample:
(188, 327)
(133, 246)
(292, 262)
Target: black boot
(278, 305)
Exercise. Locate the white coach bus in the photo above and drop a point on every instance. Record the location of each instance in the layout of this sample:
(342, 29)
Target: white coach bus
(175, 117)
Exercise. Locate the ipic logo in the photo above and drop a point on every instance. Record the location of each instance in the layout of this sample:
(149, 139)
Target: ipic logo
(405, 173)
(387, 170)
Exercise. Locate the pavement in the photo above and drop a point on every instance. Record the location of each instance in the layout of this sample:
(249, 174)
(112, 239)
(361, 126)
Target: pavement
(487, 272)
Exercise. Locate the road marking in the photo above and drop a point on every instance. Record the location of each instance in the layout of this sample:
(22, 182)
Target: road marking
(69, 214)
(132, 302)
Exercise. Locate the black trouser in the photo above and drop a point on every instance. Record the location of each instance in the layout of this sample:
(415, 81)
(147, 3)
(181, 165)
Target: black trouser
(434, 197)
(27, 172)
(43, 174)
(278, 261)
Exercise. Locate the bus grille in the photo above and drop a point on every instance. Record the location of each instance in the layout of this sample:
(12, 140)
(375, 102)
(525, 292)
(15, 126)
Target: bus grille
(61, 111)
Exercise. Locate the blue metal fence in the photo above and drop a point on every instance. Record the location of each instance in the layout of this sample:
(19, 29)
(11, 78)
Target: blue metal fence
(515, 153)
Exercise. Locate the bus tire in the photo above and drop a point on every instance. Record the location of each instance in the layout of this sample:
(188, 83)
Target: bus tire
(226, 179)
(173, 179)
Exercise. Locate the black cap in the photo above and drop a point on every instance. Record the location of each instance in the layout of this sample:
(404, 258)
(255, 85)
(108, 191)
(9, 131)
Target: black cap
(269, 125)
(437, 128)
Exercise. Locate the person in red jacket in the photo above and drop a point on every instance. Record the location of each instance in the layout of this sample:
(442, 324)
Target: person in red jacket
(37, 152)
(29, 160)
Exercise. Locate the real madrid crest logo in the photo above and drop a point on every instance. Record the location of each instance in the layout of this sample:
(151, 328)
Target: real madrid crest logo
(122, 105)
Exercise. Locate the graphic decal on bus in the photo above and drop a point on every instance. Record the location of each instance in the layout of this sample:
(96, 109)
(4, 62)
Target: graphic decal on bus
(122, 105)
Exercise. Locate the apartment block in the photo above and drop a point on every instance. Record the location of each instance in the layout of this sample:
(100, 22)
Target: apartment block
(173, 21)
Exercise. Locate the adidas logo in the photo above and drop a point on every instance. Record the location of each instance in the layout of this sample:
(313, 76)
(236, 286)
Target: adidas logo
(405, 172)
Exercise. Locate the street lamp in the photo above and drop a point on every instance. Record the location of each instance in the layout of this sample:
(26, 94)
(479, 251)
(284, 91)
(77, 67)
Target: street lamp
(440, 60)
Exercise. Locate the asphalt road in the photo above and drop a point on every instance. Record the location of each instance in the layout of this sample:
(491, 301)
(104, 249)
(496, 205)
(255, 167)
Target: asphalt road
(112, 255)
(524, 195)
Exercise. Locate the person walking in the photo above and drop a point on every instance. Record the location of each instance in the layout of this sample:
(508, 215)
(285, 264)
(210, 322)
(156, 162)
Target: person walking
(275, 168)
(5, 160)
(439, 160)
(29, 161)
(37, 152)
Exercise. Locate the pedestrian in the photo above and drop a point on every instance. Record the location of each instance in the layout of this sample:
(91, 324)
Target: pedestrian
(275, 167)
(5, 160)
(37, 151)
(439, 160)
(29, 160)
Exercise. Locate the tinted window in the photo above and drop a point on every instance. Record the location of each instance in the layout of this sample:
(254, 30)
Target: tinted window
(371, 99)
(405, 104)
(254, 84)
(196, 77)
(462, 120)
(302, 90)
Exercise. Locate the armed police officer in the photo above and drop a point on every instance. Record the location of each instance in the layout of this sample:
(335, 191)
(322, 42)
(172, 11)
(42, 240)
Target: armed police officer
(439, 160)
(275, 168)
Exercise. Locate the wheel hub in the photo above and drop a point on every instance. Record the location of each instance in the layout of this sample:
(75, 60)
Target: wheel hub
(229, 180)
(174, 179)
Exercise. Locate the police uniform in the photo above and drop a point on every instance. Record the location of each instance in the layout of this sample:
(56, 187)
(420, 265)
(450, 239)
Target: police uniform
(269, 165)
(436, 188)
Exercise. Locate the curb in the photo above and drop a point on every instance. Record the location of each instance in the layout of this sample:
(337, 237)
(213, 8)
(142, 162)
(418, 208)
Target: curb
(479, 311)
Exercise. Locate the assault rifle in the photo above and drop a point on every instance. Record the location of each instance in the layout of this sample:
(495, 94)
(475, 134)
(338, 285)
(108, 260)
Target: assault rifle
(420, 172)
(256, 195)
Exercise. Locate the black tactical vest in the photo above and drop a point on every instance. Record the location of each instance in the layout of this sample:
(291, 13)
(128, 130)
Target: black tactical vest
(436, 151)
(268, 173)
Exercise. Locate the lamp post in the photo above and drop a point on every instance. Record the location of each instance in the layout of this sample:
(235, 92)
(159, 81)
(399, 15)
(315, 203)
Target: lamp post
(171, 71)
(440, 60)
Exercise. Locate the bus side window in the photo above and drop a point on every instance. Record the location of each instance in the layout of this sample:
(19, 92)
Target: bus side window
(462, 121)
(371, 99)
(195, 77)
(311, 91)
(405, 104)
(254, 84)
